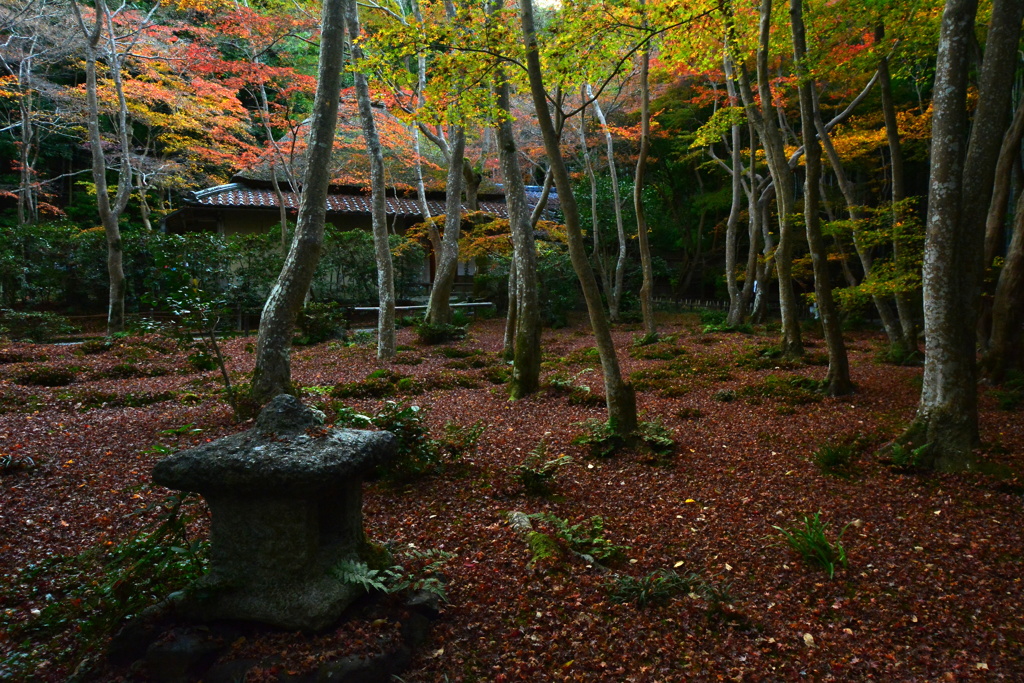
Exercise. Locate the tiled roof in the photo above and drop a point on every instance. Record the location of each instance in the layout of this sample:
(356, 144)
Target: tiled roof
(243, 196)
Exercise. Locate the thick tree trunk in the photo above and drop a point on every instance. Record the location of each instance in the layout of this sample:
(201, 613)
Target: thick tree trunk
(615, 295)
(621, 399)
(837, 381)
(438, 308)
(272, 374)
(526, 353)
(647, 287)
(1005, 350)
(960, 188)
(378, 207)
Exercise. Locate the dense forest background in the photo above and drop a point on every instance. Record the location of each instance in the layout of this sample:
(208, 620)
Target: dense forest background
(848, 160)
(214, 89)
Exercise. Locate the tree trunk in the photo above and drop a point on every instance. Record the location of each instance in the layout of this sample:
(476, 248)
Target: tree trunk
(472, 177)
(778, 165)
(615, 296)
(545, 192)
(837, 381)
(110, 212)
(753, 228)
(960, 188)
(1005, 343)
(378, 206)
(508, 348)
(894, 331)
(272, 374)
(905, 307)
(736, 311)
(526, 354)
(438, 308)
(647, 288)
(595, 222)
(621, 399)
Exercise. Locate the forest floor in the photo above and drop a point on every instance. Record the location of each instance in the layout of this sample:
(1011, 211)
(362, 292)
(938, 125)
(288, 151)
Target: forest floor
(932, 589)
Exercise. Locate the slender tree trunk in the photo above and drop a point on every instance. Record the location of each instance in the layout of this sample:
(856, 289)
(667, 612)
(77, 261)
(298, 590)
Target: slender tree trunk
(595, 220)
(736, 311)
(615, 296)
(508, 349)
(753, 227)
(621, 399)
(272, 374)
(647, 288)
(378, 206)
(26, 184)
(109, 211)
(282, 206)
(891, 325)
(837, 381)
(771, 136)
(472, 177)
(526, 355)
(960, 189)
(545, 192)
(905, 307)
(438, 308)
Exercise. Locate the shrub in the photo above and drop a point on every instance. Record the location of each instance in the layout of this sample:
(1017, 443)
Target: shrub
(45, 376)
(94, 346)
(36, 327)
(835, 458)
(899, 354)
(104, 585)
(132, 370)
(809, 540)
(656, 588)
(725, 396)
(320, 321)
(497, 374)
(904, 456)
(420, 571)
(418, 453)
(586, 538)
(7, 356)
(380, 383)
(449, 380)
(89, 399)
(9, 464)
(1011, 396)
(439, 333)
(406, 358)
(762, 358)
(458, 440)
(689, 413)
(537, 473)
(791, 389)
(604, 442)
